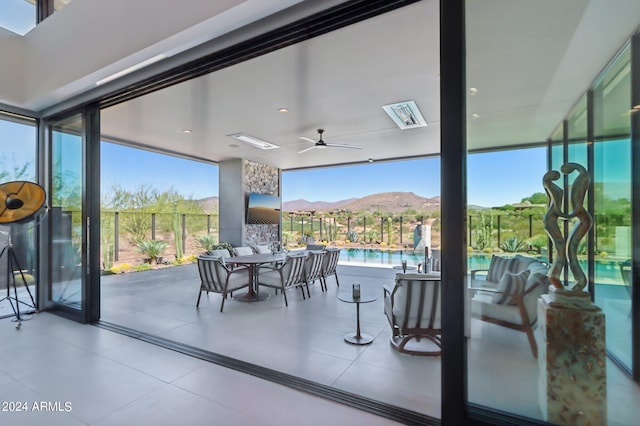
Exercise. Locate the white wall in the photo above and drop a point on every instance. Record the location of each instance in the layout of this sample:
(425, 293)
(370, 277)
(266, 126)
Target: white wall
(90, 39)
(11, 66)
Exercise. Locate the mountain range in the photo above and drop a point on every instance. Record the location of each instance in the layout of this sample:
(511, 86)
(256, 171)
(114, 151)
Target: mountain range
(387, 202)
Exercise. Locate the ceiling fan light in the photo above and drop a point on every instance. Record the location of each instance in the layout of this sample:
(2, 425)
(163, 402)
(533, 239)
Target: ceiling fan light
(252, 140)
(405, 114)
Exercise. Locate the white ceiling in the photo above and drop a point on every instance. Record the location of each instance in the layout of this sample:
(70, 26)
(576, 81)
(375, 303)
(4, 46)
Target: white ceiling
(530, 61)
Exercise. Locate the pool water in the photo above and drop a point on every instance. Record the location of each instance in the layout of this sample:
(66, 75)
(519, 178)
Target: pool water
(607, 271)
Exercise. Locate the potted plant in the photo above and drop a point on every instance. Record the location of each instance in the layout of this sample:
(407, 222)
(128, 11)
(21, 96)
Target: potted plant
(153, 249)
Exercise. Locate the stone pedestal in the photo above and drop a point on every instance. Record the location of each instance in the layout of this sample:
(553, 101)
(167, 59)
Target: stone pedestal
(572, 360)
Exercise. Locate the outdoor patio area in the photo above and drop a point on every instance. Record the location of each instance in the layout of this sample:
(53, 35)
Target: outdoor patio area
(307, 340)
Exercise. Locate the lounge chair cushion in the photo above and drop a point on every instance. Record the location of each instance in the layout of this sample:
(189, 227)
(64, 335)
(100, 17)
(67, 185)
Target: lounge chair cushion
(509, 284)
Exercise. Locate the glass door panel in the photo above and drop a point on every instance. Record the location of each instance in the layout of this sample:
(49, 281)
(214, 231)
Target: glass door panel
(66, 215)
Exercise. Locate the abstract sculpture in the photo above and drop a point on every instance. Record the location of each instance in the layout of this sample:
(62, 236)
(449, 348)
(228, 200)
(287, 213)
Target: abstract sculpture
(566, 248)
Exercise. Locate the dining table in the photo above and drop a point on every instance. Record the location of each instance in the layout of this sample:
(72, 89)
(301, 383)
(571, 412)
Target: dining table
(253, 263)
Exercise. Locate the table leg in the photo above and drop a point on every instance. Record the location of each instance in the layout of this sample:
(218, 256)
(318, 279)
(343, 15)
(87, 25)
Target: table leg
(359, 338)
(252, 295)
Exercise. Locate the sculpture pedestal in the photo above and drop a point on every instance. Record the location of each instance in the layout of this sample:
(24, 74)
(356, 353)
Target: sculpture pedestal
(572, 360)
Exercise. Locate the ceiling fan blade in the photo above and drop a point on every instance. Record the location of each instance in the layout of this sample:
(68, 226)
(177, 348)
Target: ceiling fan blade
(306, 139)
(340, 145)
(306, 149)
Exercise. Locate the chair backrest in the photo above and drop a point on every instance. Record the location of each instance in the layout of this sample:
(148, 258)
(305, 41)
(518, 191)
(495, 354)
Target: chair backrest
(263, 248)
(313, 265)
(223, 253)
(330, 261)
(435, 260)
(242, 251)
(212, 273)
(293, 271)
(417, 301)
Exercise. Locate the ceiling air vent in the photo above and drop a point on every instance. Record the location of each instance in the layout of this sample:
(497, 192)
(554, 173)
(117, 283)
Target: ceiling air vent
(252, 140)
(405, 114)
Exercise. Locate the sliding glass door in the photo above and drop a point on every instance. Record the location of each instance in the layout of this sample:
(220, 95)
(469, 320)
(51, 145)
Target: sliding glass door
(70, 237)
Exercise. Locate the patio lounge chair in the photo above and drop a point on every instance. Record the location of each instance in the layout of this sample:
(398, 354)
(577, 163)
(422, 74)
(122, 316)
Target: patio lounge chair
(413, 311)
(509, 295)
(288, 275)
(216, 277)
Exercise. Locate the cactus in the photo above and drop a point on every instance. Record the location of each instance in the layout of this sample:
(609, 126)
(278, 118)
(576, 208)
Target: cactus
(177, 234)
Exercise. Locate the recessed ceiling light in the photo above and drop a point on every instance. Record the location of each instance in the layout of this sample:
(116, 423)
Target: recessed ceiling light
(370, 160)
(187, 131)
(636, 107)
(474, 116)
(283, 109)
(252, 140)
(405, 114)
(473, 91)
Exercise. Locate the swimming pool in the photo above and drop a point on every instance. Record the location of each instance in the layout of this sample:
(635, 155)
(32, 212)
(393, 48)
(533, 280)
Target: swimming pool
(607, 271)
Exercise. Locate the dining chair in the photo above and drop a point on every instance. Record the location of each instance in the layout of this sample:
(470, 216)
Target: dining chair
(313, 268)
(329, 267)
(289, 274)
(242, 251)
(216, 277)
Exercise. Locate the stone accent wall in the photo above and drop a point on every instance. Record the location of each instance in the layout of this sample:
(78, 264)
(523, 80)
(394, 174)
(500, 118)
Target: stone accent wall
(260, 179)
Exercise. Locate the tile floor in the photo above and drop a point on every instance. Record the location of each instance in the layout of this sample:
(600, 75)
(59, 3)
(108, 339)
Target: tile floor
(305, 339)
(86, 375)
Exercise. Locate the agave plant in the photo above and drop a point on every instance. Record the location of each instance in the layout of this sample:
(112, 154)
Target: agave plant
(152, 248)
(353, 236)
(512, 245)
(206, 242)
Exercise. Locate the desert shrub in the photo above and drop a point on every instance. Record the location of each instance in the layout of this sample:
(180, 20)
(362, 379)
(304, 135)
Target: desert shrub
(142, 267)
(538, 241)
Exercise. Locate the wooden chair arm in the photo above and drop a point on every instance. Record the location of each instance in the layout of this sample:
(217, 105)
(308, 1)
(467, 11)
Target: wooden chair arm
(474, 272)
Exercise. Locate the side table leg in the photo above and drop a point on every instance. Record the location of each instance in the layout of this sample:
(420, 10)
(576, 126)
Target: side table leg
(358, 335)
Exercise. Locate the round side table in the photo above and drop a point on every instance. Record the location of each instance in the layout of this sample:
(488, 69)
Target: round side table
(358, 338)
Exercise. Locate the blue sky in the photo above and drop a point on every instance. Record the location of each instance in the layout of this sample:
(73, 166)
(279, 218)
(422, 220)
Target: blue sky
(494, 179)
(130, 168)
(18, 16)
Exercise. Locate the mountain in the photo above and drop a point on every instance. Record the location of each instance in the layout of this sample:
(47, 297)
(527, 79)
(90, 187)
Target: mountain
(209, 204)
(387, 202)
(304, 205)
(394, 202)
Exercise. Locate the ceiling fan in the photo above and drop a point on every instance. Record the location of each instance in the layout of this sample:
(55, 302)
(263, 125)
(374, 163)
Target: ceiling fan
(322, 144)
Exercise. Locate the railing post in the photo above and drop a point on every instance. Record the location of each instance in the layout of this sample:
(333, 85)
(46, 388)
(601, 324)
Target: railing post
(530, 226)
(400, 229)
(470, 228)
(153, 226)
(116, 231)
(208, 224)
(381, 229)
(348, 224)
(498, 231)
